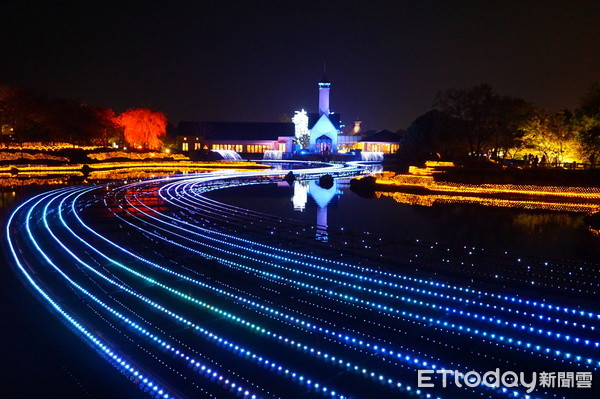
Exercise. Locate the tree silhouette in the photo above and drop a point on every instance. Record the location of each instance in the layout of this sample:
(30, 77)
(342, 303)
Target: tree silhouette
(143, 128)
(21, 110)
(487, 120)
(589, 117)
(474, 109)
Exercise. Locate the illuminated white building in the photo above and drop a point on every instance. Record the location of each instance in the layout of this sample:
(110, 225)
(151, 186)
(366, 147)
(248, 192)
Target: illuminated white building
(325, 126)
(316, 132)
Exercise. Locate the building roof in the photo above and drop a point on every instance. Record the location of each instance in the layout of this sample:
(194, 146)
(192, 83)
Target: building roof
(236, 130)
(333, 117)
(188, 128)
(383, 136)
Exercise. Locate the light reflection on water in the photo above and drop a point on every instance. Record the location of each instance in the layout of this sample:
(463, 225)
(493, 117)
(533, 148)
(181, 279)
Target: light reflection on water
(536, 223)
(527, 232)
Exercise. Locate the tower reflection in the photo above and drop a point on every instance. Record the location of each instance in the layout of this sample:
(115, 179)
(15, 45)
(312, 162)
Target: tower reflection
(321, 196)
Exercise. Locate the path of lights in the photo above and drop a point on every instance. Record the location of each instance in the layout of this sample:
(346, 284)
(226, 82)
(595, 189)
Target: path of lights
(431, 199)
(492, 320)
(555, 198)
(189, 290)
(111, 354)
(107, 167)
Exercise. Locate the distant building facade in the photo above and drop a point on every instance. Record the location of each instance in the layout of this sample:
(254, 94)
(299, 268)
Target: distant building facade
(241, 137)
(316, 132)
(380, 141)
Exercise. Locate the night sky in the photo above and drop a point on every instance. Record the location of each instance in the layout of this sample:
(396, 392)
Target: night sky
(219, 60)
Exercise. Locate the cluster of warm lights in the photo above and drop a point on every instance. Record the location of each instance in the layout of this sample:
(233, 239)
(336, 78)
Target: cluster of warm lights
(42, 146)
(431, 199)
(103, 156)
(41, 170)
(426, 171)
(139, 173)
(439, 164)
(589, 193)
(431, 167)
(587, 199)
(155, 167)
(177, 165)
(13, 156)
(14, 182)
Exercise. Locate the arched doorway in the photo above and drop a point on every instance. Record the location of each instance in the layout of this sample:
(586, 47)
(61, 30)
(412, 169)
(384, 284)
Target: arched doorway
(324, 144)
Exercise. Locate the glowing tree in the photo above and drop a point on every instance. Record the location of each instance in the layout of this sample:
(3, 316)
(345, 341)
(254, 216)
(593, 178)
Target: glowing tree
(300, 120)
(552, 136)
(143, 128)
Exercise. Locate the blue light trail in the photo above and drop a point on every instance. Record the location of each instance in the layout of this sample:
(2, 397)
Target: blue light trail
(190, 298)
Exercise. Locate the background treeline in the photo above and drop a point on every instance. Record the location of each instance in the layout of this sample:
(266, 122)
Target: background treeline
(27, 116)
(467, 123)
(478, 122)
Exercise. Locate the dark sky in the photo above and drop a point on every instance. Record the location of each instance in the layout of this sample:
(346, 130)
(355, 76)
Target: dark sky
(253, 60)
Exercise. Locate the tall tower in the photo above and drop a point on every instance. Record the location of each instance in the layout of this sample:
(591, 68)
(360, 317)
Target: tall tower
(324, 96)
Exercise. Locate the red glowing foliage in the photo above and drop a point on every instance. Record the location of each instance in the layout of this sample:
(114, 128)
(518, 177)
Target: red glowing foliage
(143, 128)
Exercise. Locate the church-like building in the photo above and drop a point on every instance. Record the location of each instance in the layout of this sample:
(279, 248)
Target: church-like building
(325, 130)
(319, 133)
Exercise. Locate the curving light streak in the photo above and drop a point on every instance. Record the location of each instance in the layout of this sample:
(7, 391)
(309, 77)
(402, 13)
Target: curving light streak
(264, 320)
(116, 358)
(390, 309)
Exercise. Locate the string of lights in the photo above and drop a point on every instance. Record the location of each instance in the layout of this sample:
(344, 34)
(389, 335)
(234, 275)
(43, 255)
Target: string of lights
(192, 294)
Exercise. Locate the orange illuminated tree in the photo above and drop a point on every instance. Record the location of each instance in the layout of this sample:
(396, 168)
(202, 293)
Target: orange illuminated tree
(143, 128)
(553, 136)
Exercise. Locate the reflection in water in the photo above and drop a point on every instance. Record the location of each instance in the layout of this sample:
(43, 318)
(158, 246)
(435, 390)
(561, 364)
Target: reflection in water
(300, 195)
(322, 224)
(7, 198)
(533, 224)
(321, 196)
(497, 229)
(374, 168)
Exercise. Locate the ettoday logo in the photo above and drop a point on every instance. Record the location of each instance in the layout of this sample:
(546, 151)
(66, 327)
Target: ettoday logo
(507, 379)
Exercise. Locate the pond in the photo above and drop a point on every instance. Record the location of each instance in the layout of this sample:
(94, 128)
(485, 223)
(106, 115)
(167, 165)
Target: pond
(558, 235)
(537, 233)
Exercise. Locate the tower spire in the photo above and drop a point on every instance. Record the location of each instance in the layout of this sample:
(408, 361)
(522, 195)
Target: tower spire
(324, 93)
(324, 78)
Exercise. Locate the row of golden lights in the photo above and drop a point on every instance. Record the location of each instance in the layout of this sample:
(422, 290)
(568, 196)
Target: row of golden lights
(103, 156)
(40, 146)
(422, 177)
(118, 169)
(98, 156)
(431, 199)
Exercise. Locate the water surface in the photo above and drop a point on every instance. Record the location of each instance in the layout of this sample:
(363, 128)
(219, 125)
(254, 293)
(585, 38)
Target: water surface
(558, 235)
